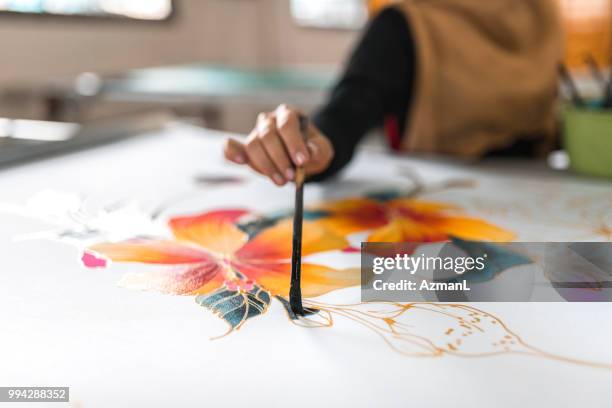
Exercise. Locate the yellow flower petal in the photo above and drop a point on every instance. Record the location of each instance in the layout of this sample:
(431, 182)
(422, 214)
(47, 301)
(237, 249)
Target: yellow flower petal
(214, 231)
(472, 229)
(406, 230)
(316, 279)
(275, 243)
(150, 251)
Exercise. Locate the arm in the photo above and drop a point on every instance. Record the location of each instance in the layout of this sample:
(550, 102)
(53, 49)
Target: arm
(377, 82)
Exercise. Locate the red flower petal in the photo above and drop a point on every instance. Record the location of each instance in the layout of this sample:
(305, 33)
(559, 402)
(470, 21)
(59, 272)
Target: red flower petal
(181, 280)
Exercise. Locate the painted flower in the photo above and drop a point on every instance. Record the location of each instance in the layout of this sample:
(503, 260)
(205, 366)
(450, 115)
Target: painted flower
(398, 219)
(210, 257)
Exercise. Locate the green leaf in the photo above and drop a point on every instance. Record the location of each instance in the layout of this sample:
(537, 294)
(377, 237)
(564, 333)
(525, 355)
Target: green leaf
(236, 307)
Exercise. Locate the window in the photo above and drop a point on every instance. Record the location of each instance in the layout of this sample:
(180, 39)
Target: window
(133, 9)
(329, 13)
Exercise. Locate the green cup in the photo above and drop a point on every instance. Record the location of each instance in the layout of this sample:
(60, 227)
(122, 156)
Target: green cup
(588, 140)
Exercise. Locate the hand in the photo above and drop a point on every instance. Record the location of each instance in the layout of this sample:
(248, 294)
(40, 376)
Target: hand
(276, 146)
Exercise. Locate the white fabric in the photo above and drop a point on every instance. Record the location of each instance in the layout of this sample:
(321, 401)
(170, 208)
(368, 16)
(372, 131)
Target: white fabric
(63, 325)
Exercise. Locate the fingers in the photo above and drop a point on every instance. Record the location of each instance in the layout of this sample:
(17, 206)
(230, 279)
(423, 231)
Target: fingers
(277, 145)
(321, 153)
(288, 125)
(260, 161)
(234, 151)
(255, 155)
(273, 145)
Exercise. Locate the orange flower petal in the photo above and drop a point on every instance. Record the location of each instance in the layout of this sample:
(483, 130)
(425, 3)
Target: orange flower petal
(352, 215)
(406, 230)
(275, 243)
(214, 231)
(149, 251)
(183, 280)
(316, 279)
(351, 205)
(472, 229)
(420, 206)
(347, 225)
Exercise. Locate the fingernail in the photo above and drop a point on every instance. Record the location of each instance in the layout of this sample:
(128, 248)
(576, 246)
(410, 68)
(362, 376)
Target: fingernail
(289, 174)
(314, 149)
(278, 179)
(300, 158)
(239, 159)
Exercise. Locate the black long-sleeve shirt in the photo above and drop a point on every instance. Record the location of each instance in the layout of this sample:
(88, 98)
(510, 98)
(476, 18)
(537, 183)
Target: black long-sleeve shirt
(377, 82)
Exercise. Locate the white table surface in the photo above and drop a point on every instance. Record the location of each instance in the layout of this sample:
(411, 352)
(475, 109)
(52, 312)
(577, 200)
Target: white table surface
(63, 325)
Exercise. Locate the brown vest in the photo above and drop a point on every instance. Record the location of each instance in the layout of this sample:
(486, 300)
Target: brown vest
(486, 75)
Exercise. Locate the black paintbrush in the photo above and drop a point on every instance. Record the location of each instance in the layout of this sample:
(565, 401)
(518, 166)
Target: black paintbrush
(295, 290)
(608, 97)
(571, 85)
(596, 72)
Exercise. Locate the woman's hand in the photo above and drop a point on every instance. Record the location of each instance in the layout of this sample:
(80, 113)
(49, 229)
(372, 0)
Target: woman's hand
(276, 146)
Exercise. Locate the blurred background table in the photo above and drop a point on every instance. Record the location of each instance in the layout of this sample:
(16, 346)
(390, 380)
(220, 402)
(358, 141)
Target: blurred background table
(200, 91)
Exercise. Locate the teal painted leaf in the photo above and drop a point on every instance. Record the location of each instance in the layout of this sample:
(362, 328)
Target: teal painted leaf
(313, 215)
(236, 307)
(499, 258)
(385, 195)
(252, 227)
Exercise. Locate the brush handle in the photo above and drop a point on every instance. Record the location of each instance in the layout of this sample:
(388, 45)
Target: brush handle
(608, 96)
(596, 71)
(295, 289)
(571, 85)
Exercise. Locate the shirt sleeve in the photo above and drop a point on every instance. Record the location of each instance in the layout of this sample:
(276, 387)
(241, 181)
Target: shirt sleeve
(377, 82)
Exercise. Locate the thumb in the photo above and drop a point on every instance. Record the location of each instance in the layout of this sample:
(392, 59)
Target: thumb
(321, 154)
